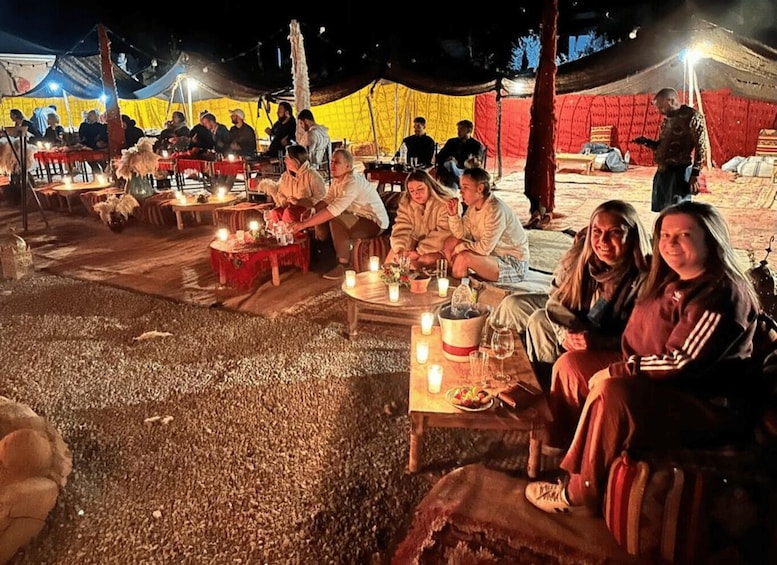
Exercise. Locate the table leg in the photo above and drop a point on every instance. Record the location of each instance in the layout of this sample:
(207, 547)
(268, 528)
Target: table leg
(353, 318)
(534, 464)
(197, 217)
(179, 219)
(417, 428)
(222, 275)
(69, 204)
(276, 276)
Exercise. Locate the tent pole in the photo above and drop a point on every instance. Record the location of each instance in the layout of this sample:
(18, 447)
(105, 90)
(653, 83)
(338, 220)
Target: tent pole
(189, 92)
(67, 109)
(372, 121)
(499, 129)
(180, 91)
(707, 146)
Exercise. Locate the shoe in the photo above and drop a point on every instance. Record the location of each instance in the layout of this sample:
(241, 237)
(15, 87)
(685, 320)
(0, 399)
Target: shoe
(549, 497)
(533, 223)
(336, 274)
(545, 220)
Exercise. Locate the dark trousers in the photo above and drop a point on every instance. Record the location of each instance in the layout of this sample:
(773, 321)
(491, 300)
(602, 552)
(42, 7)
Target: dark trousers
(670, 187)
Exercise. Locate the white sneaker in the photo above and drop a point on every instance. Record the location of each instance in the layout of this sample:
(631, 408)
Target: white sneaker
(549, 497)
(550, 451)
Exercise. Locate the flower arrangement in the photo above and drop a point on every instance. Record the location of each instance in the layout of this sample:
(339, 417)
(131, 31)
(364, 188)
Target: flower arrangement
(394, 273)
(122, 205)
(139, 159)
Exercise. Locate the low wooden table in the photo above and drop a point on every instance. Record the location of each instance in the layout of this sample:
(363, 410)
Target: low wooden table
(196, 208)
(368, 300)
(239, 264)
(564, 160)
(427, 410)
(75, 189)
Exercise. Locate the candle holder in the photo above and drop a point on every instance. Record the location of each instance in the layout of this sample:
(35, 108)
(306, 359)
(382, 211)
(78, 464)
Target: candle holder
(434, 379)
(68, 180)
(442, 287)
(221, 193)
(427, 321)
(240, 235)
(393, 292)
(182, 198)
(350, 279)
(374, 263)
(100, 179)
(222, 234)
(422, 352)
(253, 226)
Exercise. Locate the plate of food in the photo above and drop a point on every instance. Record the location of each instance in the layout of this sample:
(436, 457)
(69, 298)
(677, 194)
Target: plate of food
(469, 398)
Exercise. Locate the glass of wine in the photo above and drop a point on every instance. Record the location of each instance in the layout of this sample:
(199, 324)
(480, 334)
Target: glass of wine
(502, 346)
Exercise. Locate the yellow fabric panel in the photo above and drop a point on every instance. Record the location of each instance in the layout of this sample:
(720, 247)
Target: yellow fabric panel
(394, 107)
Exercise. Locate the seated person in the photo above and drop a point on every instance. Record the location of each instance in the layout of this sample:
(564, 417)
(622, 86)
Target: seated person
(299, 188)
(592, 292)
(679, 380)
(94, 134)
(55, 133)
(242, 136)
(351, 208)
(421, 226)
(419, 146)
(282, 133)
(318, 142)
(488, 240)
(452, 158)
(19, 121)
(132, 133)
(175, 126)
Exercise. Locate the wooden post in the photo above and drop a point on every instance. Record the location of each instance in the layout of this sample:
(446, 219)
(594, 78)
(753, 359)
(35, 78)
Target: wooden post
(540, 176)
(115, 131)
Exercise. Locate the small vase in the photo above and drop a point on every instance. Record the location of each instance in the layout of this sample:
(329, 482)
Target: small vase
(116, 222)
(419, 284)
(140, 186)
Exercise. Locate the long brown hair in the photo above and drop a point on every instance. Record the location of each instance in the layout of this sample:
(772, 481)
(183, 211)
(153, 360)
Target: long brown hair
(576, 261)
(721, 260)
(435, 188)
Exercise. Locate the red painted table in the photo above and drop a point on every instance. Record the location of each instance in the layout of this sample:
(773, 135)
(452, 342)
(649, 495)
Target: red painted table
(238, 264)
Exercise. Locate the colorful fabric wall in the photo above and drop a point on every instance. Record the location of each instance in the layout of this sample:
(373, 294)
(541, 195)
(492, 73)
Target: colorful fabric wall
(733, 123)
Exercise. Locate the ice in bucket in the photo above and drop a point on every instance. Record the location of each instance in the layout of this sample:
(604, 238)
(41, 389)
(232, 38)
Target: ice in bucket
(461, 335)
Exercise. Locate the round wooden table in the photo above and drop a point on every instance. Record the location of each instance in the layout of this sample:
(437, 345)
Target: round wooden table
(369, 300)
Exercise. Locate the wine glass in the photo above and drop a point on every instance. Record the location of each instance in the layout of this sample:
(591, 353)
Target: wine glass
(502, 346)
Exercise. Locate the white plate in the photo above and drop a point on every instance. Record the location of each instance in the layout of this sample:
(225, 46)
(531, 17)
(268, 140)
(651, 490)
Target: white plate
(452, 392)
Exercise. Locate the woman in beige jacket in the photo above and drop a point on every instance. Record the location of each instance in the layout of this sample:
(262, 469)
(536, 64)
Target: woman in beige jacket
(299, 188)
(421, 225)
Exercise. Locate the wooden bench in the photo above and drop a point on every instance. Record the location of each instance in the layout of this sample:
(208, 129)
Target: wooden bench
(575, 161)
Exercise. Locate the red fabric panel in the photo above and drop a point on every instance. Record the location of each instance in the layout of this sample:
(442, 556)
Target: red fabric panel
(733, 123)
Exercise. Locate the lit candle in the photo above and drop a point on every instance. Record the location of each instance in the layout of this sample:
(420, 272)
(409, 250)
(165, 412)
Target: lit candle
(253, 225)
(393, 292)
(100, 178)
(165, 154)
(67, 180)
(374, 263)
(40, 145)
(221, 193)
(223, 234)
(240, 235)
(231, 157)
(434, 378)
(47, 145)
(427, 320)
(422, 352)
(350, 279)
(182, 198)
(442, 287)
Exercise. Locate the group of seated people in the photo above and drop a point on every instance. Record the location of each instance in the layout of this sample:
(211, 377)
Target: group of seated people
(649, 346)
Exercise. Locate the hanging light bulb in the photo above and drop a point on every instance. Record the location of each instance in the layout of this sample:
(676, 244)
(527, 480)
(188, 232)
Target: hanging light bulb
(633, 33)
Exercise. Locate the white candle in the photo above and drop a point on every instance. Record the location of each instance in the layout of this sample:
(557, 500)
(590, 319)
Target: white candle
(374, 263)
(434, 377)
(253, 225)
(427, 320)
(394, 292)
(67, 180)
(182, 198)
(422, 352)
(231, 157)
(100, 179)
(47, 145)
(442, 287)
(221, 193)
(240, 235)
(350, 279)
(165, 154)
(223, 234)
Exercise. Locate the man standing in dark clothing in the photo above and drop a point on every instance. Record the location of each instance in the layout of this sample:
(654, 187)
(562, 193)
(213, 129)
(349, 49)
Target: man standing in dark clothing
(679, 151)
(283, 132)
(456, 151)
(242, 136)
(419, 145)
